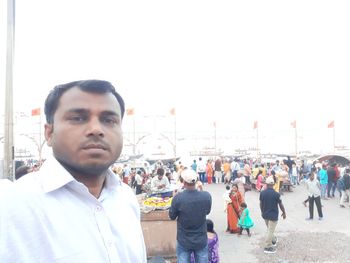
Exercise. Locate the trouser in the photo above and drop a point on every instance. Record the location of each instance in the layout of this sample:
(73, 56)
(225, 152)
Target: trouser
(184, 255)
(217, 175)
(323, 190)
(202, 176)
(138, 189)
(331, 187)
(317, 200)
(344, 196)
(270, 234)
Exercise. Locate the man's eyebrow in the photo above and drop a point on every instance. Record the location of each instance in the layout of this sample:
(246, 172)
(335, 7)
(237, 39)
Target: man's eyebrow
(87, 111)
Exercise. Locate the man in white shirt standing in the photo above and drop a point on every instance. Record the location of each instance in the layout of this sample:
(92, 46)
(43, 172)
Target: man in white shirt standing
(74, 209)
(314, 191)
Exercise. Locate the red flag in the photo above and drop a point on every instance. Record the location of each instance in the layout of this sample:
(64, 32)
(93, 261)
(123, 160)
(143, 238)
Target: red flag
(130, 111)
(255, 125)
(36, 112)
(294, 124)
(172, 111)
(331, 124)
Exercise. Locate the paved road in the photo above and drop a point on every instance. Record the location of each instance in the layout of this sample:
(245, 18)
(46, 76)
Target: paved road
(299, 240)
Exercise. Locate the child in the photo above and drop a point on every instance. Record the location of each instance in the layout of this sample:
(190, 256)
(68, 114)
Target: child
(245, 222)
(213, 244)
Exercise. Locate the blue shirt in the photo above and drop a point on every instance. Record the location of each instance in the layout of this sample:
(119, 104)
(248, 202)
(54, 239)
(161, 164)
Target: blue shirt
(191, 207)
(269, 200)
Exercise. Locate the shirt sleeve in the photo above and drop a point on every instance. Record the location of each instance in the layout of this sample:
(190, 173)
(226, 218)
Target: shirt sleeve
(173, 211)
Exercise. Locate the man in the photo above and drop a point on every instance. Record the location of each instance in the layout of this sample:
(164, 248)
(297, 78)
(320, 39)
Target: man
(345, 179)
(269, 202)
(313, 188)
(190, 208)
(201, 169)
(160, 183)
(74, 209)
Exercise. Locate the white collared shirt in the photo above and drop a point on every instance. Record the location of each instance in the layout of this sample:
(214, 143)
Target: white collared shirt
(48, 216)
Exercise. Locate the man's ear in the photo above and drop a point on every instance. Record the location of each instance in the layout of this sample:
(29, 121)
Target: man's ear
(48, 133)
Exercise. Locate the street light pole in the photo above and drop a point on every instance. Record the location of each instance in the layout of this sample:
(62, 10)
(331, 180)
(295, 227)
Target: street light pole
(8, 127)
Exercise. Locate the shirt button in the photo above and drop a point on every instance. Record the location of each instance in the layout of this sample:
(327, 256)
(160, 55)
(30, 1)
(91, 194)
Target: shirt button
(110, 243)
(98, 208)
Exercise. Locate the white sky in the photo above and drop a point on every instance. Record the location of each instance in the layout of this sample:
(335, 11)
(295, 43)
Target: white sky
(229, 61)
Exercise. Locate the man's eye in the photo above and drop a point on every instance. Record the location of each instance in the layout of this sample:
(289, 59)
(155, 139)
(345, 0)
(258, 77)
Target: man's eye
(110, 120)
(77, 118)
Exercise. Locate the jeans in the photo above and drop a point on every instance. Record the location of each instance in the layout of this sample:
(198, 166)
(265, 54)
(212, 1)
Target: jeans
(202, 176)
(323, 190)
(184, 254)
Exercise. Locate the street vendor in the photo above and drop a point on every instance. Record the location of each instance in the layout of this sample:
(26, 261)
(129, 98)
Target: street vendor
(160, 183)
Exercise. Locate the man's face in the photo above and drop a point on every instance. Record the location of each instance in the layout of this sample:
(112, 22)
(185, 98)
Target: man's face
(86, 135)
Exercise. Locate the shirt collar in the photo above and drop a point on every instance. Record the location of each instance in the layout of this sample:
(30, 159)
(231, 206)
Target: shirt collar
(54, 176)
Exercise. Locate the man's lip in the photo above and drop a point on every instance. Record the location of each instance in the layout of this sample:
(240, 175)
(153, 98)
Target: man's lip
(94, 146)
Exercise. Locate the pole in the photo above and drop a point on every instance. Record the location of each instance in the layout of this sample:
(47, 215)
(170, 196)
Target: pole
(215, 137)
(296, 142)
(175, 138)
(134, 137)
(8, 127)
(334, 138)
(257, 142)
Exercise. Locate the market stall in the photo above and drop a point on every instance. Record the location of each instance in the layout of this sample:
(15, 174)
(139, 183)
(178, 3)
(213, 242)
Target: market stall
(158, 230)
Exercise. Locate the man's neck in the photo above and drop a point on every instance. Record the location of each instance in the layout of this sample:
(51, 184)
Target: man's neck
(94, 184)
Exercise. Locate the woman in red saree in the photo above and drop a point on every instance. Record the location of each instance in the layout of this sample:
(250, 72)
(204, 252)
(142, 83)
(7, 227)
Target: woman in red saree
(233, 209)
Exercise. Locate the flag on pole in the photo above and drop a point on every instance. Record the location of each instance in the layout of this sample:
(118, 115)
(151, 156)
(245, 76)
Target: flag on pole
(294, 124)
(255, 125)
(331, 124)
(214, 124)
(36, 112)
(172, 111)
(130, 111)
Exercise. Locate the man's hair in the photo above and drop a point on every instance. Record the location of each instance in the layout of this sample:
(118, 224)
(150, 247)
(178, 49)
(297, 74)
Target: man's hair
(210, 226)
(160, 171)
(92, 86)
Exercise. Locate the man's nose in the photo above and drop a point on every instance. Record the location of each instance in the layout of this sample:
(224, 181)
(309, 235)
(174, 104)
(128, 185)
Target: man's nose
(95, 127)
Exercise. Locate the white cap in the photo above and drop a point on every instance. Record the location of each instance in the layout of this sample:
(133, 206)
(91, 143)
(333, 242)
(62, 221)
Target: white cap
(269, 180)
(189, 176)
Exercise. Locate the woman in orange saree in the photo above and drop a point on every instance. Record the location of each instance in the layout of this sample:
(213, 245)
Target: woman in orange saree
(209, 171)
(233, 209)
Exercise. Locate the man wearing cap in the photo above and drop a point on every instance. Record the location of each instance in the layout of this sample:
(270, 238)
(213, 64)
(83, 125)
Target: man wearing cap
(190, 208)
(269, 202)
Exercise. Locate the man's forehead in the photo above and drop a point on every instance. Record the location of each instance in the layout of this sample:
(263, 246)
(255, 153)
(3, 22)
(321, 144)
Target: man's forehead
(76, 98)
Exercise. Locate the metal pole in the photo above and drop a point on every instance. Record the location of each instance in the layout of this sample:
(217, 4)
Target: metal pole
(8, 127)
(175, 138)
(257, 142)
(296, 142)
(333, 138)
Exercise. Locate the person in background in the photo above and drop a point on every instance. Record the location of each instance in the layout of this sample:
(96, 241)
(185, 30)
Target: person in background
(213, 244)
(245, 222)
(270, 200)
(233, 210)
(201, 169)
(323, 181)
(138, 182)
(22, 170)
(313, 188)
(346, 188)
(74, 209)
(159, 183)
(209, 171)
(190, 208)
